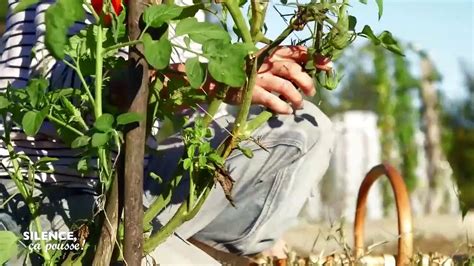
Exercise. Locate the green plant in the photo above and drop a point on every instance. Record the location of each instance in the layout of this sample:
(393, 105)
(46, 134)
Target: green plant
(92, 53)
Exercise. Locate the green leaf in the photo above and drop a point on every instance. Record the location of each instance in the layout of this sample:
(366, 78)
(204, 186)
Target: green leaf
(195, 71)
(104, 122)
(71, 109)
(46, 159)
(99, 139)
(58, 19)
(8, 246)
(226, 61)
(247, 152)
(32, 122)
(36, 91)
(157, 15)
(200, 32)
(387, 40)
(24, 4)
(128, 118)
(363, 1)
(4, 102)
(80, 141)
(369, 34)
(187, 163)
(54, 96)
(352, 23)
(119, 27)
(380, 6)
(190, 11)
(76, 45)
(82, 165)
(217, 159)
(157, 53)
(156, 177)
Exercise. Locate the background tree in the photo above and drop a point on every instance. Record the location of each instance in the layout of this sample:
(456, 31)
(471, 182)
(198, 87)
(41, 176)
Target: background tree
(459, 140)
(3, 13)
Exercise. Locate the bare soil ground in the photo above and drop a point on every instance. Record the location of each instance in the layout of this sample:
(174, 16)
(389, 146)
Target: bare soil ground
(444, 234)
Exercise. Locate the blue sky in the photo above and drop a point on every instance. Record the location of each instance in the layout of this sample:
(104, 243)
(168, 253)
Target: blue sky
(444, 28)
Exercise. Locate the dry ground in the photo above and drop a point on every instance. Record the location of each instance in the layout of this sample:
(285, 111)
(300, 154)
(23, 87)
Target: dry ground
(442, 233)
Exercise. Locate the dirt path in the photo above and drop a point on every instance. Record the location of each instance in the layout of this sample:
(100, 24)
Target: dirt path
(446, 234)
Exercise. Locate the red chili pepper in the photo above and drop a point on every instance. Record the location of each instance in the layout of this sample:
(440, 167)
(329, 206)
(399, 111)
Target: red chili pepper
(322, 62)
(116, 5)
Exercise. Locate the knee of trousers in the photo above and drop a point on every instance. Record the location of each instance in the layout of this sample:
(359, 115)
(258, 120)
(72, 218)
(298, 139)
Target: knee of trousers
(311, 132)
(304, 129)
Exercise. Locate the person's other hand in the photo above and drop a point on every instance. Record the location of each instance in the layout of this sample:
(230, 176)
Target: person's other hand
(278, 81)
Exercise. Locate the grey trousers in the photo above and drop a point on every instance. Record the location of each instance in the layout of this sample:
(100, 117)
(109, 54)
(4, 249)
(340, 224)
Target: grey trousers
(269, 191)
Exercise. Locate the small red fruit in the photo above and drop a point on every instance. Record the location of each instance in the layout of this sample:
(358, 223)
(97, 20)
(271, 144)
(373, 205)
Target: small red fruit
(116, 5)
(322, 62)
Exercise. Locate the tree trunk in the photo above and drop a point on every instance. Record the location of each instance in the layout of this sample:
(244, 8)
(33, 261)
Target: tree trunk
(438, 169)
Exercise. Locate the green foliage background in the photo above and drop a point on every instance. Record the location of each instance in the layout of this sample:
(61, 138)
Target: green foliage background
(459, 140)
(3, 13)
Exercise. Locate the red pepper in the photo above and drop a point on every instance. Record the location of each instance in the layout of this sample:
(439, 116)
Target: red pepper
(322, 62)
(116, 4)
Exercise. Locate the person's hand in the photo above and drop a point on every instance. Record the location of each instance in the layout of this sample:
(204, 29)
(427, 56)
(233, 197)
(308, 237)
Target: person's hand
(279, 79)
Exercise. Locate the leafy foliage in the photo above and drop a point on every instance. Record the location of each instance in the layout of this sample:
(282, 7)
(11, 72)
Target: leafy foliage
(59, 18)
(87, 120)
(8, 246)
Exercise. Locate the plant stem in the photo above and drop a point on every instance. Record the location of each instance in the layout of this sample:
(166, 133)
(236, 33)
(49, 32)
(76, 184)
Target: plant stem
(239, 20)
(186, 211)
(82, 79)
(99, 64)
(186, 49)
(259, 9)
(121, 45)
(255, 123)
(164, 232)
(241, 120)
(28, 197)
(92, 10)
(143, 32)
(161, 201)
(63, 124)
(265, 51)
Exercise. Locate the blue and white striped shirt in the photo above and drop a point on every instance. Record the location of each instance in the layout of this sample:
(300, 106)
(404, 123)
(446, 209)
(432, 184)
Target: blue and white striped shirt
(23, 56)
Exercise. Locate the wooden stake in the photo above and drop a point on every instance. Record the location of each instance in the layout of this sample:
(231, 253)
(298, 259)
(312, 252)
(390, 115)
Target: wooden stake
(135, 142)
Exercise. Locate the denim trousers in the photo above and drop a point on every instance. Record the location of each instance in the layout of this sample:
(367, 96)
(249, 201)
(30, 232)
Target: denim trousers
(269, 192)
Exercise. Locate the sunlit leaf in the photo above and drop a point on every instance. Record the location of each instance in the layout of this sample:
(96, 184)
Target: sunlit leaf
(4, 102)
(227, 61)
(104, 122)
(157, 15)
(128, 118)
(201, 31)
(99, 139)
(32, 121)
(157, 53)
(8, 246)
(58, 19)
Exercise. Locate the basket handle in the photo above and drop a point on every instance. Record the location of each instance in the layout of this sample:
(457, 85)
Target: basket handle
(405, 240)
